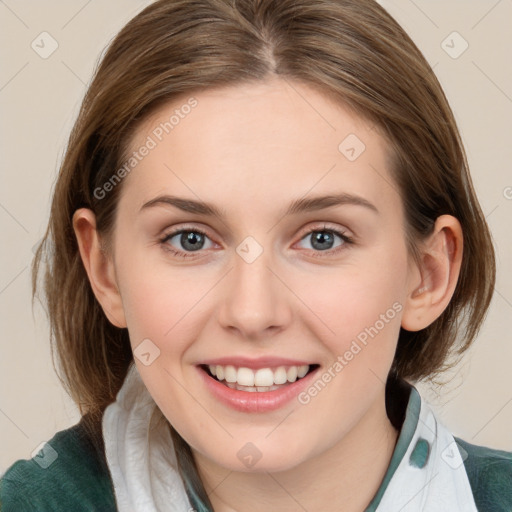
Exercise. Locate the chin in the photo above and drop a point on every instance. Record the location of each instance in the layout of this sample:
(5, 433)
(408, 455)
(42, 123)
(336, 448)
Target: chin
(261, 457)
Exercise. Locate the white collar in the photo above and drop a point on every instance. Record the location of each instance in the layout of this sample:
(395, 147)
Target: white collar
(426, 472)
(137, 439)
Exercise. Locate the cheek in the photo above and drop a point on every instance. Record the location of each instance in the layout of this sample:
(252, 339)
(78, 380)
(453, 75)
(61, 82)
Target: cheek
(158, 298)
(149, 312)
(359, 302)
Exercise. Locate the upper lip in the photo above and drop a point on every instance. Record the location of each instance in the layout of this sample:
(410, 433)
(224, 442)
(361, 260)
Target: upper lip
(255, 363)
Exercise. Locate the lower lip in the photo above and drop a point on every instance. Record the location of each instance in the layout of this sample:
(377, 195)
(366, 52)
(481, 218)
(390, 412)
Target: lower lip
(257, 401)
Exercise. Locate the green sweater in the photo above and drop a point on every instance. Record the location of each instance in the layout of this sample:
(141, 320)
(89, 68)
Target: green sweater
(78, 478)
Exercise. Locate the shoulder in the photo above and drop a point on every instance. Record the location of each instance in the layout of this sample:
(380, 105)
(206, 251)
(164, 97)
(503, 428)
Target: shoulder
(490, 475)
(68, 473)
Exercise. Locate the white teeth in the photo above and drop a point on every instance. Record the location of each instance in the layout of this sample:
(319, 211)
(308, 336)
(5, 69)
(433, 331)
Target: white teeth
(244, 376)
(251, 389)
(302, 370)
(291, 374)
(230, 373)
(263, 379)
(280, 375)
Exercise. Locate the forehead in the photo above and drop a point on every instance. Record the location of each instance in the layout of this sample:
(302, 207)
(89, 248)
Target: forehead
(255, 146)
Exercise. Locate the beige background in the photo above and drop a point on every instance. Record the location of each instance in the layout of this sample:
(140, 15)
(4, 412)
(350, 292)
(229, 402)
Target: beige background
(39, 99)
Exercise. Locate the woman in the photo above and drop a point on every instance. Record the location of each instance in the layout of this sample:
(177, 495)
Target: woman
(266, 230)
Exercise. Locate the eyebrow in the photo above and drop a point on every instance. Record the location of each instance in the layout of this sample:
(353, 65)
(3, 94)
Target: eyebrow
(297, 206)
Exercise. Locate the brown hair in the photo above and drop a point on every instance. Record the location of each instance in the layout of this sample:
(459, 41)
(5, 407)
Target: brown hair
(351, 50)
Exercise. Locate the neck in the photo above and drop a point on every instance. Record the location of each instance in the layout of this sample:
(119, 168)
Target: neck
(345, 477)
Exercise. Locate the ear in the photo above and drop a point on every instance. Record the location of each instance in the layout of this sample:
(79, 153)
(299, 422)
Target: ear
(99, 266)
(436, 276)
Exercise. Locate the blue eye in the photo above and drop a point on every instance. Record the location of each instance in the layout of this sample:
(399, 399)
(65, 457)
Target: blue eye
(323, 240)
(184, 242)
(191, 240)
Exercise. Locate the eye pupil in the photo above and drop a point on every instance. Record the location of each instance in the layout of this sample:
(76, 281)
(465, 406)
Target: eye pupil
(193, 238)
(322, 237)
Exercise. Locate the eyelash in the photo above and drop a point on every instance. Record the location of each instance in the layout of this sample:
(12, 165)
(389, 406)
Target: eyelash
(189, 229)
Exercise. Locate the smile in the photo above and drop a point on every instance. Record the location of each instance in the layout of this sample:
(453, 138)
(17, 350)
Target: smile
(260, 380)
(257, 389)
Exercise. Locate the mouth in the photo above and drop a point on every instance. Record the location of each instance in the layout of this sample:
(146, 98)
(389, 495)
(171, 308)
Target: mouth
(258, 380)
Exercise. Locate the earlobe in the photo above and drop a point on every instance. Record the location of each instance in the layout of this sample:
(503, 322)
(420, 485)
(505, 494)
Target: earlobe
(438, 270)
(99, 266)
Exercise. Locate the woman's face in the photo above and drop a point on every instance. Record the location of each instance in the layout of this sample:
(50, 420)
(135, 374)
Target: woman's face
(279, 283)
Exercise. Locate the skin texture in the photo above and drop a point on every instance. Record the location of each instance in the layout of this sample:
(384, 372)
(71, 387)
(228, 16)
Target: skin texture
(251, 150)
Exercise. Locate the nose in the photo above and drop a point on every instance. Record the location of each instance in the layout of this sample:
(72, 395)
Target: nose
(256, 303)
